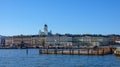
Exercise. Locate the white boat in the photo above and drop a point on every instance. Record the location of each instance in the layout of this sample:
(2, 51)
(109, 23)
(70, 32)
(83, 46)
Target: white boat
(117, 51)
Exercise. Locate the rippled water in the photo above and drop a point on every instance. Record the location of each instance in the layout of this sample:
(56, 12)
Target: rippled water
(32, 58)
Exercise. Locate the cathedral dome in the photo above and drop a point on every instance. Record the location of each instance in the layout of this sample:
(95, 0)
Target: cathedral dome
(45, 25)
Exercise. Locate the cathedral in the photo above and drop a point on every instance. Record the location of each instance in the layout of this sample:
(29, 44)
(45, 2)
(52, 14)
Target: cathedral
(45, 31)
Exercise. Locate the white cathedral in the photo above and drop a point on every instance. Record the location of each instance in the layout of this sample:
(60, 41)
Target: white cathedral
(45, 31)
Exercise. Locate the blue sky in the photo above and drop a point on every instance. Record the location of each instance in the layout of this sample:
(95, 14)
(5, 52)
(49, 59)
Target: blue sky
(62, 16)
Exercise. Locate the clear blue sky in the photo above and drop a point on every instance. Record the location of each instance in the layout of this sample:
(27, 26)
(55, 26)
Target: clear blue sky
(62, 16)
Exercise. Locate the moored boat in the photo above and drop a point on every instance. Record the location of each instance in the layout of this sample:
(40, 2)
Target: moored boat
(117, 51)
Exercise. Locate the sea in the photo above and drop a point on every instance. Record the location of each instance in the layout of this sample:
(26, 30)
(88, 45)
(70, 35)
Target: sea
(32, 58)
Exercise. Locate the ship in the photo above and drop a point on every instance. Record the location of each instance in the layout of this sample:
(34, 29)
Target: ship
(117, 51)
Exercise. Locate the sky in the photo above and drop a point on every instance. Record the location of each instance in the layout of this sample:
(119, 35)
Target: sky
(62, 16)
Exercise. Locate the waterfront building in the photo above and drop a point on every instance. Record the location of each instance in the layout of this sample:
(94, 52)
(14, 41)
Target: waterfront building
(114, 39)
(77, 41)
(90, 40)
(28, 40)
(2, 40)
(118, 42)
(59, 40)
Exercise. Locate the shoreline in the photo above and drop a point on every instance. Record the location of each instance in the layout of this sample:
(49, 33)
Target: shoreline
(100, 51)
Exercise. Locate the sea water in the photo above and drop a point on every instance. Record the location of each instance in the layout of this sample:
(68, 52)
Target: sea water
(32, 58)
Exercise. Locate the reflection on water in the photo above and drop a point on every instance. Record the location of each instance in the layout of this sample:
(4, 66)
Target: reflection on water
(32, 58)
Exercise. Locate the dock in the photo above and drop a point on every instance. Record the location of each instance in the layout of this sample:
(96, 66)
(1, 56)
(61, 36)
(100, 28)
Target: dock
(79, 51)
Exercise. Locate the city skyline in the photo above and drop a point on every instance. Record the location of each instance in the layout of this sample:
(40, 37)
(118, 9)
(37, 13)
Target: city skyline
(62, 16)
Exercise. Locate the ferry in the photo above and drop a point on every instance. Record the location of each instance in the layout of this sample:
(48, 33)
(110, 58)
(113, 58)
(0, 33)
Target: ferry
(117, 51)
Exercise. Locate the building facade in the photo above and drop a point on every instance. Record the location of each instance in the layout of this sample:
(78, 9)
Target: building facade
(60, 40)
(29, 41)
(2, 40)
(90, 40)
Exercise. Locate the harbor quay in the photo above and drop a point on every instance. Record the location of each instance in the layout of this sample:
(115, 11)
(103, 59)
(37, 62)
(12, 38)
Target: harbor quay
(79, 51)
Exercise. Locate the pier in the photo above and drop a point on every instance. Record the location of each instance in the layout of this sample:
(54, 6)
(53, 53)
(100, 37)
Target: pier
(78, 51)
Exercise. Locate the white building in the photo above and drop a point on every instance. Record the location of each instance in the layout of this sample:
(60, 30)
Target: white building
(117, 42)
(59, 40)
(45, 31)
(91, 40)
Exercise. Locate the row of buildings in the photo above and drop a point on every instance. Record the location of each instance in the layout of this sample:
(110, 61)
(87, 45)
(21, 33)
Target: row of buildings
(59, 40)
(46, 38)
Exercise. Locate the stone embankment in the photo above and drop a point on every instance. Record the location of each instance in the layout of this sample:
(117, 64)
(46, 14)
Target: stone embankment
(80, 51)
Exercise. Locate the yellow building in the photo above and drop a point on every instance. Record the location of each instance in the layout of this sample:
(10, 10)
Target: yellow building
(30, 41)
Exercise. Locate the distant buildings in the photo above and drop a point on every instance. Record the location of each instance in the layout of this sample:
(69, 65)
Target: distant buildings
(117, 41)
(59, 40)
(2, 40)
(114, 39)
(90, 40)
(56, 40)
(23, 41)
(46, 38)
